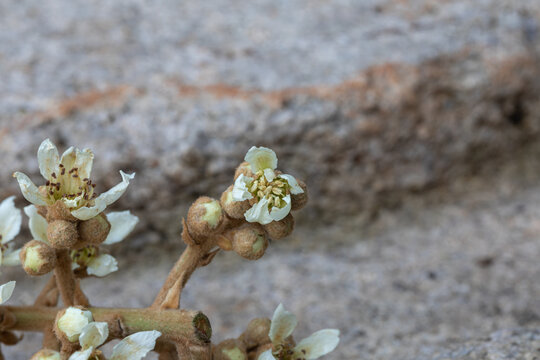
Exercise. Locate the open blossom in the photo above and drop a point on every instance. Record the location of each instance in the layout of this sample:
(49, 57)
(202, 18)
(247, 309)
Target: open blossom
(122, 223)
(314, 346)
(68, 180)
(271, 191)
(10, 225)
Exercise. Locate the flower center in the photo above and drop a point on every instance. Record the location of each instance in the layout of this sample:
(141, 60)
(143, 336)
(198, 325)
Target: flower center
(274, 190)
(283, 352)
(82, 257)
(68, 185)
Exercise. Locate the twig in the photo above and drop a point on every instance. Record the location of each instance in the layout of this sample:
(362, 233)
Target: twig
(65, 280)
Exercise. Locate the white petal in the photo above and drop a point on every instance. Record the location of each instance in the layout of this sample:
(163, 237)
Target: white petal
(81, 355)
(105, 199)
(259, 213)
(37, 223)
(261, 158)
(122, 223)
(73, 321)
(136, 346)
(6, 291)
(10, 220)
(295, 188)
(11, 257)
(68, 158)
(102, 265)
(277, 213)
(240, 189)
(29, 189)
(318, 344)
(267, 355)
(48, 159)
(269, 174)
(282, 325)
(94, 334)
(83, 162)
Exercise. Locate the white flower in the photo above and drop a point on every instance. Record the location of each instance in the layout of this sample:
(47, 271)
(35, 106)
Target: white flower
(73, 322)
(92, 335)
(135, 346)
(10, 225)
(6, 291)
(68, 180)
(272, 192)
(122, 223)
(314, 346)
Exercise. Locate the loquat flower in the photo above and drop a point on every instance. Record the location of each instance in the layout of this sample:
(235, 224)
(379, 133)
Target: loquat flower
(10, 225)
(68, 180)
(271, 192)
(314, 346)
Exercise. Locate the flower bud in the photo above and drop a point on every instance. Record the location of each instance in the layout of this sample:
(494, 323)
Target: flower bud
(70, 322)
(230, 349)
(259, 350)
(235, 209)
(298, 201)
(62, 234)
(256, 333)
(204, 217)
(59, 211)
(243, 168)
(37, 258)
(93, 231)
(46, 354)
(249, 241)
(279, 229)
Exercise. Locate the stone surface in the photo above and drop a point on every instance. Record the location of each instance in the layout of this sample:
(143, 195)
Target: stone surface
(453, 281)
(367, 101)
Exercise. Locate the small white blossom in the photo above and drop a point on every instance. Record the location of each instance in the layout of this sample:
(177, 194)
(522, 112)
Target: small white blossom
(92, 335)
(10, 225)
(314, 346)
(73, 321)
(6, 291)
(272, 192)
(122, 223)
(68, 180)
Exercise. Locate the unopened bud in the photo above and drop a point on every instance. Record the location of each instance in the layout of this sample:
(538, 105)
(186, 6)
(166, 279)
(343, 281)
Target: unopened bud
(256, 333)
(230, 349)
(37, 258)
(279, 229)
(46, 354)
(204, 217)
(298, 201)
(235, 209)
(59, 211)
(249, 241)
(62, 234)
(243, 168)
(93, 231)
(70, 322)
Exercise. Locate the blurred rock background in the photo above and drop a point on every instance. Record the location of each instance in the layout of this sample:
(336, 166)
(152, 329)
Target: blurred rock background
(415, 124)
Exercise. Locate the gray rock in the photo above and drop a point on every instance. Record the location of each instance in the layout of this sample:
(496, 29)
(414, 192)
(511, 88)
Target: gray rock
(366, 101)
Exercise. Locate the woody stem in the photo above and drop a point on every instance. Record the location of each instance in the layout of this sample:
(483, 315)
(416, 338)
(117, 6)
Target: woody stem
(65, 280)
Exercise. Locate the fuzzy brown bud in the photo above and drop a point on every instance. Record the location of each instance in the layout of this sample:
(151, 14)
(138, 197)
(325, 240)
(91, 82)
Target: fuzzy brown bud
(243, 168)
(59, 211)
(235, 209)
(93, 231)
(249, 241)
(298, 201)
(62, 234)
(230, 349)
(256, 333)
(37, 258)
(204, 217)
(279, 229)
(255, 353)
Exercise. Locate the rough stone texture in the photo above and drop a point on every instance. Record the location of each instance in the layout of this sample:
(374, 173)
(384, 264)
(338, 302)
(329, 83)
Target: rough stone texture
(366, 100)
(444, 282)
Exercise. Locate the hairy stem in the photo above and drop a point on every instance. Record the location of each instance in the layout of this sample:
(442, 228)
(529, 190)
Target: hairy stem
(170, 293)
(192, 327)
(65, 280)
